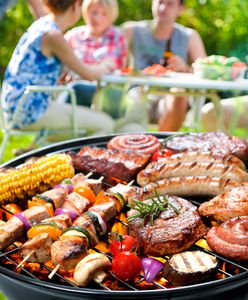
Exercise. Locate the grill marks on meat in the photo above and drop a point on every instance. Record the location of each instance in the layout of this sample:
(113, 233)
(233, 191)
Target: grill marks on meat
(230, 238)
(157, 171)
(69, 251)
(41, 245)
(185, 186)
(14, 228)
(171, 232)
(200, 156)
(109, 163)
(232, 204)
(218, 142)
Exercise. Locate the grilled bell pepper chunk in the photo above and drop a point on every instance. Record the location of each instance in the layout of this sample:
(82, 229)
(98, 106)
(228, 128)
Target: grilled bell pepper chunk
(86, 192)
(37, 202)
(51, 228)
(79, 231)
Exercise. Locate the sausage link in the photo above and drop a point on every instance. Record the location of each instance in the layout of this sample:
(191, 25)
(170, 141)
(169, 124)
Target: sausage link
(185, 186)
(155, 172)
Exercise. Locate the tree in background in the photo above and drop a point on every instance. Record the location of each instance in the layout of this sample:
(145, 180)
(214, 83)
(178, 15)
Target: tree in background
(221, 23)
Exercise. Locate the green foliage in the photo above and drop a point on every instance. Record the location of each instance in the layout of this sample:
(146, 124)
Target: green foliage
(221, 23)
(12, 26)
(2, 297)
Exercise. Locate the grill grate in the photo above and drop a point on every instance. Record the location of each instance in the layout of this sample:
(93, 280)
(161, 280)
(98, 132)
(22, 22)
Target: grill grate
(58, 278)
(232, 267)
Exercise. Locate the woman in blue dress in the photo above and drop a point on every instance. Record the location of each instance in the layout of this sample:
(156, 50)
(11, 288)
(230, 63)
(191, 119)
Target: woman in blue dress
(38, 60)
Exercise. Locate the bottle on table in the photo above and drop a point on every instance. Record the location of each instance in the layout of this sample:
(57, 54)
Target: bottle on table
(167, 54)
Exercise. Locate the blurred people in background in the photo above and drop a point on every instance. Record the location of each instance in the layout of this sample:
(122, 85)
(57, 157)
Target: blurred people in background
(38, 59)
(94, 42)
(149, 40)
(36, 7)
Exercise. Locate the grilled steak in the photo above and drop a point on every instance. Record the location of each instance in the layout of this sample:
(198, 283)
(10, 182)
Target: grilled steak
(217, 142)
(190, 267)
(112, 164)
(232, 204)
(173, 230)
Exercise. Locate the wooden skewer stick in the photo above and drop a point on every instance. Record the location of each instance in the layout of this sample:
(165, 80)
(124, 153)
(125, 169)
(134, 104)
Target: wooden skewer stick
(130, 183)
(101, 179)
(88, 175)
(25, 258)
(50, 276)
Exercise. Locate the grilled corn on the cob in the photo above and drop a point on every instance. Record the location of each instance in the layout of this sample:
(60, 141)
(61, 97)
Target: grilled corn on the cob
(34, 177)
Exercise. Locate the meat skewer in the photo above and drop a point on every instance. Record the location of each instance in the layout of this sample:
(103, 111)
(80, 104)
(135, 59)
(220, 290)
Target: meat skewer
(84, 232)
(14, 228)
(63, 223)
(75, 204)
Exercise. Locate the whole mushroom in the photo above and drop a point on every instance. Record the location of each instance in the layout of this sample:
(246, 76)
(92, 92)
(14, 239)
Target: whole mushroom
(91, 267)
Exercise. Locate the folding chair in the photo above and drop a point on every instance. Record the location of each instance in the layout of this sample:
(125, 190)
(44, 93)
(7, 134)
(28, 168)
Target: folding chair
(8, 128)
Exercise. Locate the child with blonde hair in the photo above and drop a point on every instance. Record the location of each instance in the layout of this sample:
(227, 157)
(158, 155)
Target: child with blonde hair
(95, 41)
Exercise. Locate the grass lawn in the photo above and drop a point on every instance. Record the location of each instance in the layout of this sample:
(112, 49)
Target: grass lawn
(15, 142)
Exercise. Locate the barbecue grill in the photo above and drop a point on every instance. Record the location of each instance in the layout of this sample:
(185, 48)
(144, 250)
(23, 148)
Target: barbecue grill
(26, 284)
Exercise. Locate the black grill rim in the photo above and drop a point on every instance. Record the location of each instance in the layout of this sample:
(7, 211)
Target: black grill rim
(209, 288)
(220, 285)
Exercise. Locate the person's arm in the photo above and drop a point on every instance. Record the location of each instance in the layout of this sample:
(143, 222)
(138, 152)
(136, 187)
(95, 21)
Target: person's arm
(53, 43)
(127, 30)
(196, 47)
(37, 8)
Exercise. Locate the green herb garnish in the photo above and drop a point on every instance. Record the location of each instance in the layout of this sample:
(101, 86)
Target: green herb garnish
(150, 211)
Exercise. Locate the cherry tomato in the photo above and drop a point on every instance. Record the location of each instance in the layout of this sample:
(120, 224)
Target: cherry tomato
(126, 265)
(161, 154)
(123, 243)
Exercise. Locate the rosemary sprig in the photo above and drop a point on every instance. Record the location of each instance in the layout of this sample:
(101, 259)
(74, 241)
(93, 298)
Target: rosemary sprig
(150, 211)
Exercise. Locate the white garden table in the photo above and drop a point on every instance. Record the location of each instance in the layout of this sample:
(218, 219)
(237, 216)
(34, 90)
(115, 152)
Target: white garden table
(185, 84)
